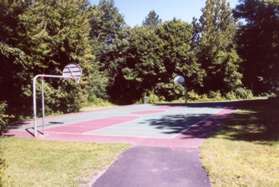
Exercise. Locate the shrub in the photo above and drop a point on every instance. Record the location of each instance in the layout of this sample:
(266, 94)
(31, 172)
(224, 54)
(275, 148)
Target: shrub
(231, 96)
(3, 118)
(239, 93)
(153, 98)
(243, 93)
(215, 95)
(96, 101)
(192, 96)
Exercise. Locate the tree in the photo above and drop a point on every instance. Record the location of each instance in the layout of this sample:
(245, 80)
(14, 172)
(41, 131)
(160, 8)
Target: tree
(12, 58)
(106, 22)
(147, 60)
(51, 34)
(258, 39)
(152, 19)
(107, 26)
(217, 50)
(178, 58)
(135, 64)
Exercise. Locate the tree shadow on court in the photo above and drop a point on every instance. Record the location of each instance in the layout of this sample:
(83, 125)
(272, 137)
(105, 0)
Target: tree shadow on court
(173, 124)
(254, 120)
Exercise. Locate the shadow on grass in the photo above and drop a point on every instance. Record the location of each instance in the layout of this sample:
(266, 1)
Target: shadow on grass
(254, 120)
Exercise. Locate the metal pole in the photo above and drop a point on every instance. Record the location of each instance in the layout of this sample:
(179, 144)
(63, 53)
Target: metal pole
(43, 105)
(184, 94)
(34, 106)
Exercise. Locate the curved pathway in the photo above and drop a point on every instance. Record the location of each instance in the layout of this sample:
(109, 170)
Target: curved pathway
(155, 167)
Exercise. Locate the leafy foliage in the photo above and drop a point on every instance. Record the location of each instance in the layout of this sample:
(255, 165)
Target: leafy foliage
(217, 50)
(106, 29)
(134, 64)
(106, 22)
(51, 34)
(178, 57)
(124, 64)
(258, 40)
(3, 119)
(147, 60)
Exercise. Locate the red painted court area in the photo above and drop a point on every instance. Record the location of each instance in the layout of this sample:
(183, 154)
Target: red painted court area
(83, 127)
(111, 128)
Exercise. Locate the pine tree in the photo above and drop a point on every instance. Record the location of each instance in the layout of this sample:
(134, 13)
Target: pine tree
(152, 19)
(217, 53)
(107, 25)
(106, 22)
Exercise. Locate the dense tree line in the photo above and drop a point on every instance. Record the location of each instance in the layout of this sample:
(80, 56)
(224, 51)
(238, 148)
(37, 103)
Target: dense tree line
(41, 37)
(224, 52)
(258, 43)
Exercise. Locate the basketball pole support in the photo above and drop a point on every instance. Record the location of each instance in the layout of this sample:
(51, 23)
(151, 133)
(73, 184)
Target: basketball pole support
(42, 76)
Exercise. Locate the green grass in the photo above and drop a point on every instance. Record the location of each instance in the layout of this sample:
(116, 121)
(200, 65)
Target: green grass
(48, 163)
(245, 152)
(96, 104)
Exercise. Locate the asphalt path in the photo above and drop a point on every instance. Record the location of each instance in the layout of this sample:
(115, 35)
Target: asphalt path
(155, 167)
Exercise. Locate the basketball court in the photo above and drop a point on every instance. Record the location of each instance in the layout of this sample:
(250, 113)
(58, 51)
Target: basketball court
(149, 125)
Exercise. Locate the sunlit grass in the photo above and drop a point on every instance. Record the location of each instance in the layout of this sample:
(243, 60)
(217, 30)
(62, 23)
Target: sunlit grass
(46, 163)
(95, 105)
(246, 151)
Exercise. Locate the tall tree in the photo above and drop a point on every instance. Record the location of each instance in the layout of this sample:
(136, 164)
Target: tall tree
(217, 53)
(178, 58)
(107, 25)
(152, 19)
(258, 40)
(51, 34)
(135, 64)
(106, 22)
(148, 59)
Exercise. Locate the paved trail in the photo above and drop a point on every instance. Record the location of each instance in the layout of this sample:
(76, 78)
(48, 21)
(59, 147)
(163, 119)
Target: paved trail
(159, 167)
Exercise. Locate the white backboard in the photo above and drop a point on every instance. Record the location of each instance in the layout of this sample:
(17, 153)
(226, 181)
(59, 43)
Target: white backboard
(73, 71)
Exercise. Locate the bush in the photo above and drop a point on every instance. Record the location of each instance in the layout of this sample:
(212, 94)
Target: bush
(3, 118)
(192, 96)
(243, 93)
(231, 96)
(215, 95)
(153, 98)
(240, 93)
(96, 101)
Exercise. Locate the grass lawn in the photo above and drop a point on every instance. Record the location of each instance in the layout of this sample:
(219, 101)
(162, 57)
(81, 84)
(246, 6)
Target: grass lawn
(245, 152)
(97, 104)
(48, 163)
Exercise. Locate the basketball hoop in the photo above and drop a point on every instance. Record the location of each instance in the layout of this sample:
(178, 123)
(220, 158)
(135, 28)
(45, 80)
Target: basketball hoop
(179, 80)
(71, 71)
